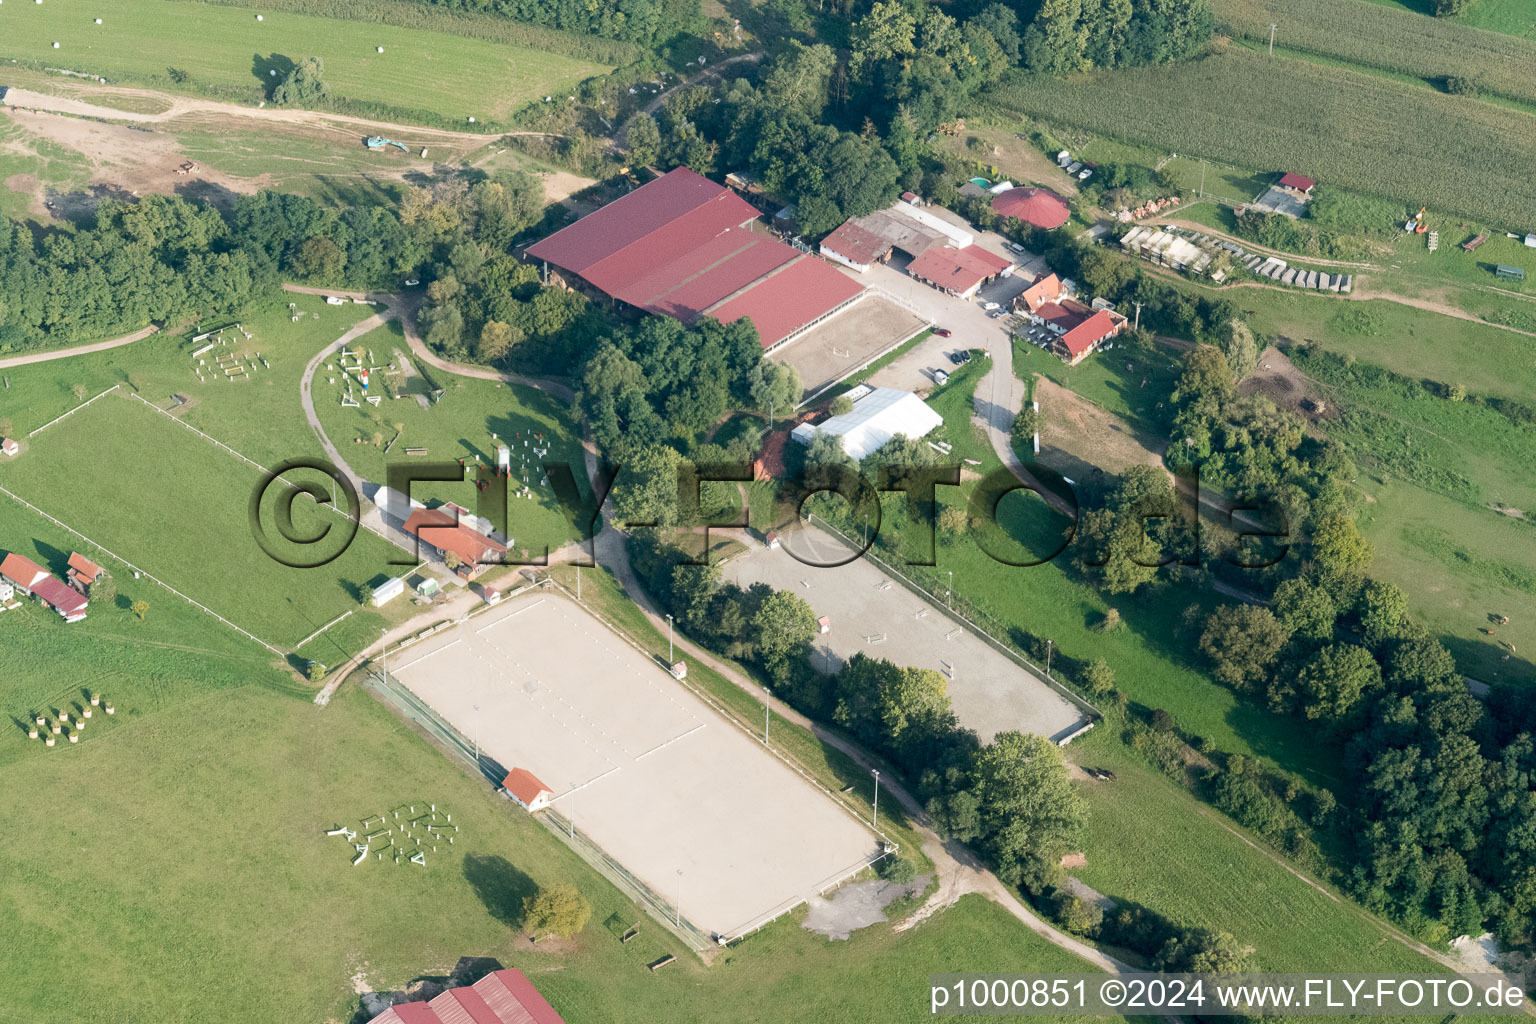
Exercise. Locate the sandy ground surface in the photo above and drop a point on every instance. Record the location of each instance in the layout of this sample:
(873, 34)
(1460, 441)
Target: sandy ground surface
(645, 768)
(139, 150)
(850, 340)
(872, 614)
(1082, 438)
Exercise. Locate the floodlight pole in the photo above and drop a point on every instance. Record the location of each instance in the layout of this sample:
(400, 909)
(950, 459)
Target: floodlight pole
(384, 653)
(767, 710)
(874, 819)
(949, 595)
(1272, 39)
(1049, 646)
(679, 905)
(1202, 179)
(671, 659)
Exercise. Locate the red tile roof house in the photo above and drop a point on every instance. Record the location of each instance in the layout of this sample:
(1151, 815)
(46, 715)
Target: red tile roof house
(501, 997)
(82, 572)
(524, 787)
(9, 446)
(958, 272)
(442, 532)
(29, 578)
(1079, 330)
(685, 247)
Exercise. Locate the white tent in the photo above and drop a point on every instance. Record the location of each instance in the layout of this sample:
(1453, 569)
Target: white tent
(875, 419)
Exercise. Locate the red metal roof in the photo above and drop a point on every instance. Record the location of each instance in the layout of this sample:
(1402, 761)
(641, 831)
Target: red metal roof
(501, 997)
(959, 270)
(1300, 181)
(679, 246)
(443, 531)
(1038, 206)
(653, 207)
(856, 244)
(524, 785)
(21, 570)
(685, 287)
(788, 299)
(1089, 333)
(59, 596)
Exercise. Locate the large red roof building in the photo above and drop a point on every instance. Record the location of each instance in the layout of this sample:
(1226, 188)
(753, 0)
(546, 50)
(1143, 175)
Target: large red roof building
(501, 997)
(958, 271)
(443, 531)
(1038, 206)
(34, 581)
(683, 246)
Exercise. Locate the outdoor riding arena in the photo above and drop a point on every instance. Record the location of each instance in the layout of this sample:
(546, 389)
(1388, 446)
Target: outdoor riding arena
(687, 802)
(872, 612)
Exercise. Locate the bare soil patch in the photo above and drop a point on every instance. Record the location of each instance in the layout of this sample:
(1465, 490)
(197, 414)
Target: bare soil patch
(1081, 437)
(1277, 379)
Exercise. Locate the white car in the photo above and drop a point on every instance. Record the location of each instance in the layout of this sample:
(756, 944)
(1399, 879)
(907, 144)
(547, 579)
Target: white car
(411, 282)
(990, 306)
(940, 377)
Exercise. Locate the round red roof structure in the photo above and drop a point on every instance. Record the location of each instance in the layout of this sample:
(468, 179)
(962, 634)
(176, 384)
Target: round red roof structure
(1037, 206)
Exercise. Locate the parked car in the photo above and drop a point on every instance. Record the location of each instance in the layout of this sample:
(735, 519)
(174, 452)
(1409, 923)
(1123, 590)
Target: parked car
(965, 357)
(1016, 247)
(957, 357)
(940, 377)
(942, 332)
(990, 306)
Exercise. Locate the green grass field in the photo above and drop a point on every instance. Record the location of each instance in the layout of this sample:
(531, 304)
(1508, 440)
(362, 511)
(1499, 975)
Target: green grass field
(1458, 565)
(176, 506)
(459, 426)
(448, 75)
(1352, 129)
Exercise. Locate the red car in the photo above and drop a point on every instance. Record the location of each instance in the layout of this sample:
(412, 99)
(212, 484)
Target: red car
(942, 332)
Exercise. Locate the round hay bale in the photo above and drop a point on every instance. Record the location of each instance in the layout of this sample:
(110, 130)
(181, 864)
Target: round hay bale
(55, 45)
(50, 741)
(380, 49)
(258, 17)
(98, 21)
(74, 737)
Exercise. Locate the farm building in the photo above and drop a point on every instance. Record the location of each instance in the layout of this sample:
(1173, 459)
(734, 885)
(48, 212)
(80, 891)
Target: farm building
(1300, 182)
(21, 571)
(685, 247)
(9, 446)
(863, 241)
(878, 415)
(501, 997)
(30, 578)
(1038, 206)
(82, 573)
(525, 787)
(446, 534)
(958, 272)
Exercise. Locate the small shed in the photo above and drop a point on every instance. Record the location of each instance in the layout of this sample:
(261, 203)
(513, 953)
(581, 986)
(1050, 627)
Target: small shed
(679, 670)
(7, 591)
(1530, 240)
(524, 787)
(824, 624)
(9, 446)
(771, 540)
(387, 591)
(426, 586)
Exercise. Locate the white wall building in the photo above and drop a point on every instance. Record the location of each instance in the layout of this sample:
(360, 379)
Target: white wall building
(878, 416)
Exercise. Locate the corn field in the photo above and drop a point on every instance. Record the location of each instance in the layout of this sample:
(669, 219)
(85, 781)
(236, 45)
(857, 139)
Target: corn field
(1392, 40)
(1352, 129)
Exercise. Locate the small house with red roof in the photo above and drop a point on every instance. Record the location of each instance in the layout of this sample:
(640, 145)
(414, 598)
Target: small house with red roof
(1300, 182)
(82, 573)
(9, 446)
(526, 788)
(1074, 330)
(501, 997)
